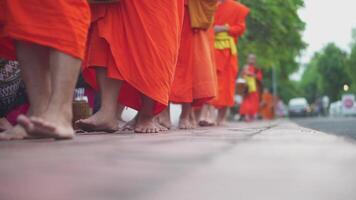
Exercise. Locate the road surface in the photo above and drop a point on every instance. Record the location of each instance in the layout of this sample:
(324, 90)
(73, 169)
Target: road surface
(343, 126)
(257, 161)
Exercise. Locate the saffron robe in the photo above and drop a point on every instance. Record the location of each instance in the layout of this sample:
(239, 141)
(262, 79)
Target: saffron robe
(137, 41)
(195, 76)
(267, 106)
(7, 46)
(232, 14)
(201, 13)
(58, 24)
(251, 101)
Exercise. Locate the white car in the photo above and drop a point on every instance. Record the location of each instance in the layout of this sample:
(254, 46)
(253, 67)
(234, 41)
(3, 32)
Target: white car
(335, 109)
(298, 107)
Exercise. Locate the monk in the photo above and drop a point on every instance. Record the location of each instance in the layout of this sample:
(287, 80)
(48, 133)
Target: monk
(229, 26)
(50, 41)
(267, 105)
(251, 101)
(195, 79)
(131, 56)
(8, 52)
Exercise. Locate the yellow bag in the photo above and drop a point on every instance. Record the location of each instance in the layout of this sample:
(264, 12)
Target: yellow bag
(251, 83)
(202, 13)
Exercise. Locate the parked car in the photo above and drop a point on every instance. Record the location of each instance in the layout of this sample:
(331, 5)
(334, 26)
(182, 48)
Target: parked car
(298, 107)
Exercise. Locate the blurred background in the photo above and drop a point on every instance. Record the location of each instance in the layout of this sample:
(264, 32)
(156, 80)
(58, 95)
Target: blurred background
(307, 51)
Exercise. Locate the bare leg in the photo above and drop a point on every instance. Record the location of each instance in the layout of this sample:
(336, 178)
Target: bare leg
(56, 121)
(164, 118)
(193, 119)
(106, 118)
(145, 120)
(120, 122)
(120, 110)
(211, 115)
(34, 63)
(203, 116)
(184, 119)
(221, 119)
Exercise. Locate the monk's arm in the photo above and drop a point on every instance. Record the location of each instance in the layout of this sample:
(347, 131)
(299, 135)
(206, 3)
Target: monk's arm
(238, 29)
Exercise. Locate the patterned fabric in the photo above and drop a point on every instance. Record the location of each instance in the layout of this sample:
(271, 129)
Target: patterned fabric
(12, 90)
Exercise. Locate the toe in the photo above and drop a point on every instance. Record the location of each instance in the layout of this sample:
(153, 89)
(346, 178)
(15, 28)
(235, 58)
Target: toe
(25, 122)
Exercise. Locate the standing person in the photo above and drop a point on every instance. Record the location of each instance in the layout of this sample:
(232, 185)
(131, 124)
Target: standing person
(195, 79)
(251, 101)
(50, 42)
(267, 105)
(9, 83)
(131, 56)
(229, 26)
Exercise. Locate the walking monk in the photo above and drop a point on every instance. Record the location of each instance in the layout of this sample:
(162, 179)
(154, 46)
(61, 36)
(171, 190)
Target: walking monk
(267, 105)
(195, 77)
(251, 101)
(229, 25)
(131, 56)
(50, 43)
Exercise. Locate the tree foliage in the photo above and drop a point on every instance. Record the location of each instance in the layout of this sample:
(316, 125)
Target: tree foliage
(326, 74)
(351, 63)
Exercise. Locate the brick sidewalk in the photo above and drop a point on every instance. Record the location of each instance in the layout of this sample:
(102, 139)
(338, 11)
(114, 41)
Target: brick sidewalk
(276, 160)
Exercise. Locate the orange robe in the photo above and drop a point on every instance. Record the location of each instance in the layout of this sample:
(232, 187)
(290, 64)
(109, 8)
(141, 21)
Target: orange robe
(59, 24)
(267, 108)
(195, 76)
(137, 42)
(251, 101)
(7, 46)
(233, 14)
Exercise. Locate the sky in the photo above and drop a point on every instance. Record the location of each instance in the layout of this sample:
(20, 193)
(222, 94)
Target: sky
(326, 21)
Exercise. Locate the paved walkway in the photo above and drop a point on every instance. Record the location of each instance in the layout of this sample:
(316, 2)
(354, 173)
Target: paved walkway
(273, 161)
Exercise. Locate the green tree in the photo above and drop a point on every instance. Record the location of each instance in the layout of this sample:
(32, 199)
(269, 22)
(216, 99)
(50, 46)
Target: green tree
(326, 74)
(310, 85)
(351, 63)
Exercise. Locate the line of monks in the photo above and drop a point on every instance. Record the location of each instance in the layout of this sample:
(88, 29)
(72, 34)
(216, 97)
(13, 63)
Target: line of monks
(141, 54)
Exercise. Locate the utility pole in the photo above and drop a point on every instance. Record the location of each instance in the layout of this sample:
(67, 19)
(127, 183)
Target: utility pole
(274, 81)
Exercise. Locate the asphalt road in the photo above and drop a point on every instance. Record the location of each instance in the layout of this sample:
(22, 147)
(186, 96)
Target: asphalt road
(344, 127)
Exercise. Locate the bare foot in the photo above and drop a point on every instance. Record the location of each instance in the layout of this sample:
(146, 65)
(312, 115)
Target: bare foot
(160, 126)
(121, 124)
(193, 120)
(4, 124)
(164, 119)
(146, 124)
(185, 124)
(15, 133)
(130, 125)
(50, 126)
(98, 122)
